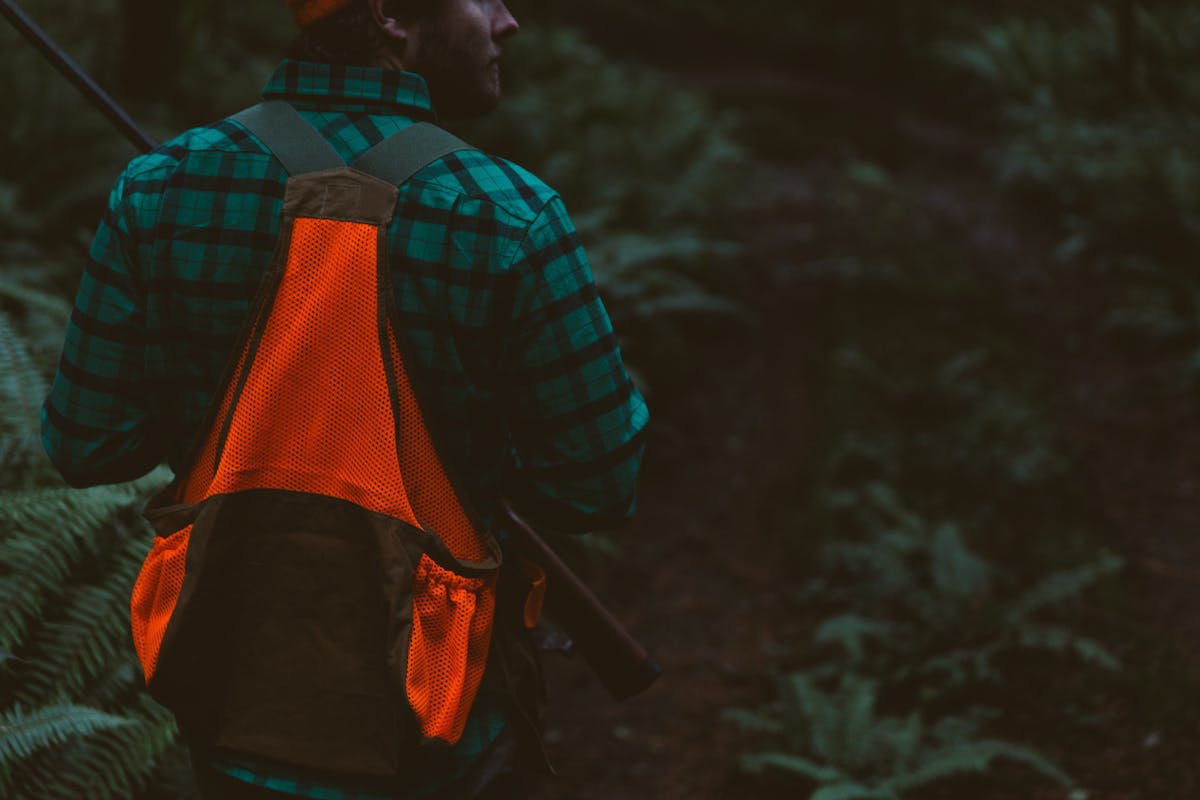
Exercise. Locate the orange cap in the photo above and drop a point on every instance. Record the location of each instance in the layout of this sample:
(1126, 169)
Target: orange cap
(307, 12)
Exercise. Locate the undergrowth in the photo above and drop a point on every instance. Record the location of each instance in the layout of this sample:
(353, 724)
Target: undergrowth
(73, 719)
(1109, 159)
(948, 542)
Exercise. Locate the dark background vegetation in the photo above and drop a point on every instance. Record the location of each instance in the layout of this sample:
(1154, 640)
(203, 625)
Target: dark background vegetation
(913, 291)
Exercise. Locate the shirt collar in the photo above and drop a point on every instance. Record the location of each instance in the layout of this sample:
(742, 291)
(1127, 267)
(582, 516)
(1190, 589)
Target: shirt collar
(335, 87)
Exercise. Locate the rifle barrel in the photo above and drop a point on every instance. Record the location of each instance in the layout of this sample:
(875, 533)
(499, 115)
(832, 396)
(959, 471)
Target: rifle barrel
(75, 74)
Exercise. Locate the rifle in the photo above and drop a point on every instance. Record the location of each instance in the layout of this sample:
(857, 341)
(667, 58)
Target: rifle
(622, 665)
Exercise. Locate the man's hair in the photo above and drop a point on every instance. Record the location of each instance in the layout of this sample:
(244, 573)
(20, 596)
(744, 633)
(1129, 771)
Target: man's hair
(348, 36)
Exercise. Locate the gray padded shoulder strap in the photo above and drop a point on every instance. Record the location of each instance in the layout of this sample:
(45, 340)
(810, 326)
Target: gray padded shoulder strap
(405, 153)
(301, 149)
(297, 145)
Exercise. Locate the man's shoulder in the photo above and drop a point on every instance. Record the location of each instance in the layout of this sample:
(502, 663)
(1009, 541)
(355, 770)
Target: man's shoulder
(220, 137)
(474, 174)
(487, 178)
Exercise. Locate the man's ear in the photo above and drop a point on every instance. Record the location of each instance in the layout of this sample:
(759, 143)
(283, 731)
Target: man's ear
(396, 30)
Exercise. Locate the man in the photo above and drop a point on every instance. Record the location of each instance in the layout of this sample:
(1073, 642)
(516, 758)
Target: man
(496, 303)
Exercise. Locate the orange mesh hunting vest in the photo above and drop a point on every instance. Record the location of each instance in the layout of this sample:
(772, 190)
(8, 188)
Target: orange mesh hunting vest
(317, 593)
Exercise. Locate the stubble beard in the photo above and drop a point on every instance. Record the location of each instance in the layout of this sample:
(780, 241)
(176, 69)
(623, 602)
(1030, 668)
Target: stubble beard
(462, 75)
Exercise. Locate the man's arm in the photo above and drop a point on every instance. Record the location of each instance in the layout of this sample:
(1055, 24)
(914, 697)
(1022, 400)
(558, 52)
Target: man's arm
(576, 420)
(95, 423)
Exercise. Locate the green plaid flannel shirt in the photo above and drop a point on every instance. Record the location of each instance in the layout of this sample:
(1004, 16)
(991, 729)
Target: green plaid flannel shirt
(497, 303)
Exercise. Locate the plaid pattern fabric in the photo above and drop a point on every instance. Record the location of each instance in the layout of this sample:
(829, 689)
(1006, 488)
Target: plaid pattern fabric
(504, 328)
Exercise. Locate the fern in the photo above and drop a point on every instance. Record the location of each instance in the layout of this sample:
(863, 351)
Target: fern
(86, 634)
(22, 390)
(850, 751)
(1057, 639)
(1061, 586)
(22, 387)
(75, 723)
(798, 765)
(852, 632)
(853, 791)
(44, 536)
(958, 573)
(112, 763)
(24, 734)
(973, 758)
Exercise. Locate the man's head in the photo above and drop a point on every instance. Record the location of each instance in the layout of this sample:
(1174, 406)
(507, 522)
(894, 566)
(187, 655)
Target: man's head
(453, 44)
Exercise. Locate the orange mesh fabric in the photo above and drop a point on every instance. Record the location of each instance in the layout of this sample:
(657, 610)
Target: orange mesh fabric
(452, 622)
(429, 490)
(315, 413)
(154, 594)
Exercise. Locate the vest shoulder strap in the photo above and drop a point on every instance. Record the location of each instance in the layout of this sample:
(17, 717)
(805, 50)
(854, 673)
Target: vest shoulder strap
(405, 153)
(301, 149)
(297, 145)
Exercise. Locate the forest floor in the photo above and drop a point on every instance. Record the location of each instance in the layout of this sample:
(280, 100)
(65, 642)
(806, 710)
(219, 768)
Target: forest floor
(697, 579)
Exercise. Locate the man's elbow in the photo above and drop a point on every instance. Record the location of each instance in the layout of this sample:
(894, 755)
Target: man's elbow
(95, 460)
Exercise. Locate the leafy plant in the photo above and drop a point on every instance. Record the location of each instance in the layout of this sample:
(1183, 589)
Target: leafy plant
(1110, 158)
(846, 750)
(73, 721)
(948, 538)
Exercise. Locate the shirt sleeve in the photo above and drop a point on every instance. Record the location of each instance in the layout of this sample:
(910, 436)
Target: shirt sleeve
(576, 420)
(95, 421)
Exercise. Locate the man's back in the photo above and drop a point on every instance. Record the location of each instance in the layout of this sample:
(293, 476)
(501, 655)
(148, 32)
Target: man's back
(496, 304)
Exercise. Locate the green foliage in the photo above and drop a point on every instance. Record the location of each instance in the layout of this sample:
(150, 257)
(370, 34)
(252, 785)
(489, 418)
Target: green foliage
(1105, 144)
(942, 519)
(24, 735)
(1077, 63)
(859, 753)
(72, 720)
(21, 387)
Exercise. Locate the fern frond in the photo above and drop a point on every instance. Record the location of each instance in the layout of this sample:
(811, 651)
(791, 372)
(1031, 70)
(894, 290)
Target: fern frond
(109, 764)
(814, 712)
(851, 631)
(25, 734)
(959, 666)
(22, 390)
(22, 387)
(1061, 640)
(87, 635)
(118, 764)
(44, 536)
(858, 739)
(853, 791)
(974, 758)
(1063, 585)
(759, 763)
(957, 571)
